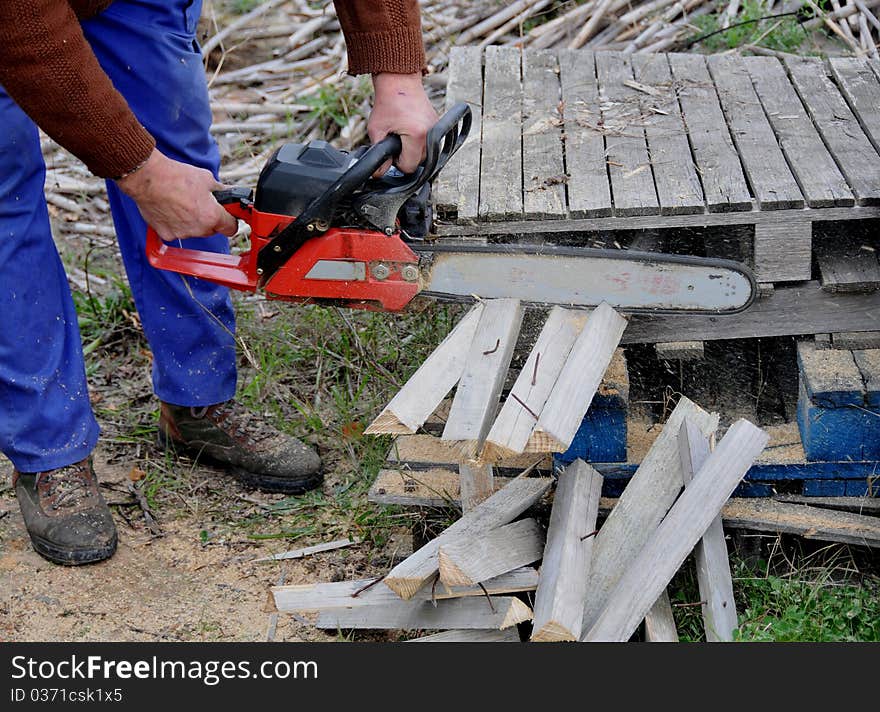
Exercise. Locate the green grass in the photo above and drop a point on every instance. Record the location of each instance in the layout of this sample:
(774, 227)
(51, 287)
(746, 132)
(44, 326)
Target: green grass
(333, 105)
(783, 34)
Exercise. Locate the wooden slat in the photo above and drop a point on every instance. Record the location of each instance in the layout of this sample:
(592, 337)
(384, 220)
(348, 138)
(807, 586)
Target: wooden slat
(559, 600)
(508, 635)
(819, 177)
(847, 264)
(467, 561)
(830, 376)
(650, 572)
(839, 128)
(511, 430)
(660, 623)
(770, 177)
(675, 175)
(718, 164)
(325, 596)
(589, 192)
(429, 450)
(462, 613)
(458, 185)
(477, 483)
(641, 507)
(868, 362)
(581, 375)
(710, 554)
(626, 150)
(804, 309)
(783, 251)
(861, 87)
(680, 350)
(410, 575)
(501, 189)
(476, 399)
(431, 382)
(543, 165)
(855, 340)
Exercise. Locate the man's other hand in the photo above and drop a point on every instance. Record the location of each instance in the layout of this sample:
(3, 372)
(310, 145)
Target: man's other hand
(176, 199)
(402, 107)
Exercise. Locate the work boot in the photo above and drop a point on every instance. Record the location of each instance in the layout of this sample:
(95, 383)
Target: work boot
(230, 435)
(67, 518)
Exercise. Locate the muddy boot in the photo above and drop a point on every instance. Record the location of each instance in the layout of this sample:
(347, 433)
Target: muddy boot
(67, 518)
(230, 435)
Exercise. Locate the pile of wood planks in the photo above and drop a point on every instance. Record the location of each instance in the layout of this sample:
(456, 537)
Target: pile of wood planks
(474, 580)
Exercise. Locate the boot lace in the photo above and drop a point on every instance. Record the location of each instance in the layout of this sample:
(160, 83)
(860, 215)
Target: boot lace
(242, 423)
(65, 488)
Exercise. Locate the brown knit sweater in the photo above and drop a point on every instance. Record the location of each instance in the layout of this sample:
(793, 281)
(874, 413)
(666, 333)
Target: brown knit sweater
(47, 66)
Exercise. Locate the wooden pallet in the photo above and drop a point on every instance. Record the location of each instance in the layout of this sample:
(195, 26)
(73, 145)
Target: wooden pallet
(571, 142)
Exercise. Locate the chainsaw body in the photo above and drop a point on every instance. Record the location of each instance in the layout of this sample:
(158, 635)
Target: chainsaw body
(322, 229)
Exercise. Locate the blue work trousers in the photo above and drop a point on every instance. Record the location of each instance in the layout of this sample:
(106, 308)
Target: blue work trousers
(149, 51)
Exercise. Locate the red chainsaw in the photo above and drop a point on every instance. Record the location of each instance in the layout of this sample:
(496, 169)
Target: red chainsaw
(323, 230)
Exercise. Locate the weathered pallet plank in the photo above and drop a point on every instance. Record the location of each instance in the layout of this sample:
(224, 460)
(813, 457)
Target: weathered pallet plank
(644, 503)
(458, 185)
(714, 580)
(839, 128)
(559, 600)
(589, 192)
(477, 483)
(472, 560)
(650, 572)
(410, 575)
(432, 381)
(501, 188)
(544, 175)
(429, 450)
(660, 623)
(783, 252)
(765, 166)
(819, 177)
(675, 175)
(861, 88)
(847, 264)
(626, 149)
(462, 613)
(830, 376)
(476, 399)
(507, 635)
(724, 184)
(801, 309)
(868, 362)
(511, 430)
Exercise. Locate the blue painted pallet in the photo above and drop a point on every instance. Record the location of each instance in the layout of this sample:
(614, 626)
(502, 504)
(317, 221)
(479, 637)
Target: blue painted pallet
(846, 432)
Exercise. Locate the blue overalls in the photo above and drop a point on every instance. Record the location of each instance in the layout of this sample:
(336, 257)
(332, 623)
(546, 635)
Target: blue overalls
(149, 51)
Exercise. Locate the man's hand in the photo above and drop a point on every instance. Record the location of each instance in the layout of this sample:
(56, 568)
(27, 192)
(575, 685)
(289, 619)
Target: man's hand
(175, 199)
(402, 107)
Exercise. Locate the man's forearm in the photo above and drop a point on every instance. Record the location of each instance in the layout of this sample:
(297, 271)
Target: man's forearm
(48, 68)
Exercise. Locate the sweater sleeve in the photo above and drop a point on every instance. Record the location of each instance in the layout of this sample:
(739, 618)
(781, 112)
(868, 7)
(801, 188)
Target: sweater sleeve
(382, 36)
(48, 68)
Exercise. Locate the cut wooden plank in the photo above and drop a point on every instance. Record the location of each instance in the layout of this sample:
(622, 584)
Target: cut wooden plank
(680, 350)
(855, 340)
(589, 192)
(710, 554)
(847, 264)
(770, 178)
(724, 184)
(626, 150)
(783, 252)
(458, 185)
(469, 560)
(559, 601)
(581, 375)
(839, 128)
(477, 483)
(309, 550)
(803, 309)
(428, 386)
(817, 174)
(464, 613)
(325, 596)
(430, 450)
(861, 88)
(830, 376)
(868, 363)
(515, 422)
(808, 522)
(544, 175)
(476, 398)
(675, 175)
(856, 505)
(660, 623)
(410, 575)
(501, 188)
(650, 572)
(643, 504)
(508, 635)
